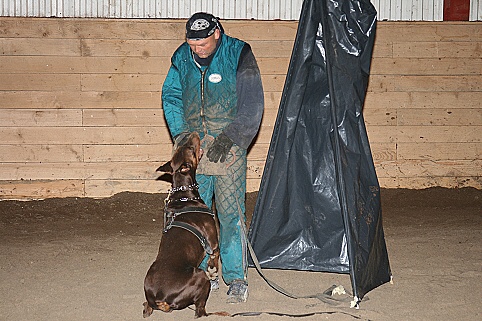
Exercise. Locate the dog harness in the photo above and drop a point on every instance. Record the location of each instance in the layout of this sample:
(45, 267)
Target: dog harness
(171, 222)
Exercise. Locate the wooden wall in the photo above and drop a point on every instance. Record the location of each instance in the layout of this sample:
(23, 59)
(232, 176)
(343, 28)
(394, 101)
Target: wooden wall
(80, 110)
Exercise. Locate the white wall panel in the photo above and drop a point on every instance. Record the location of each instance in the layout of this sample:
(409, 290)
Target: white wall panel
(475, 10)
(410, 10)
(392, 10)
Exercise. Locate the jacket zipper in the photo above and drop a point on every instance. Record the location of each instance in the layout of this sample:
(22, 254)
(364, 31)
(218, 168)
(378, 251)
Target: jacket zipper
(203, 116)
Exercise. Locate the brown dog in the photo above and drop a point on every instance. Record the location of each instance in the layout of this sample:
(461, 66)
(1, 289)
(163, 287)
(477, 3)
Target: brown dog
(174, 281)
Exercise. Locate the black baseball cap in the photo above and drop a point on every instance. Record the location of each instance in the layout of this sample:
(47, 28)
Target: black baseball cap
(202, 25)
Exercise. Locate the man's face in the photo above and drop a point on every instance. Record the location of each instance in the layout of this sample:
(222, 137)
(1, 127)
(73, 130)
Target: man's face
(205, 47)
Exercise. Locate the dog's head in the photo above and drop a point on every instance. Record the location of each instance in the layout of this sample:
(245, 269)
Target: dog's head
(186, 157)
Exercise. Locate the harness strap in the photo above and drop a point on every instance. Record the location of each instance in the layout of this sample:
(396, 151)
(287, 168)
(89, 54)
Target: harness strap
(194, 231)
(189, 209)
(170, 215)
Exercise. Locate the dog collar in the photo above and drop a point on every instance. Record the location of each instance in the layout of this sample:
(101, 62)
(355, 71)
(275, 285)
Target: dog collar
(184, 188)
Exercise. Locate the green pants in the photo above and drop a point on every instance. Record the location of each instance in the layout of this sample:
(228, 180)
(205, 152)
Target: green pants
(229, 193)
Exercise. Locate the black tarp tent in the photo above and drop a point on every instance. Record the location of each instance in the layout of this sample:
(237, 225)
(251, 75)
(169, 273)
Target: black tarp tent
(318, 206)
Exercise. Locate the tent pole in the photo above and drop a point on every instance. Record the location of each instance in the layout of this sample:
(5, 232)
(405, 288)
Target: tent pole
(337, 153)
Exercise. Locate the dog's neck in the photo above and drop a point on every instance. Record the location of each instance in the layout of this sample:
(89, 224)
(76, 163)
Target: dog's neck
(183, 182)
(184, 191)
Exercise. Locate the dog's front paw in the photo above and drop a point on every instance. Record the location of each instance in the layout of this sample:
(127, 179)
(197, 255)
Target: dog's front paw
(212, 272)
(147, 310)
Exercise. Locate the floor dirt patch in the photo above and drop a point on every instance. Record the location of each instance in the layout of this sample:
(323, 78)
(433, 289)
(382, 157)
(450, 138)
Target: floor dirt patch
(85, 259)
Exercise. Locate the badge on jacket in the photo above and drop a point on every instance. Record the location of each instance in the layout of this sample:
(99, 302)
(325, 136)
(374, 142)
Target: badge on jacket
(215, 78)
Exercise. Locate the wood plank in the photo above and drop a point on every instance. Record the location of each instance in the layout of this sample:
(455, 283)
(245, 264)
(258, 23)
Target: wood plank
(264, 135)
(257, 157)
(143, 170)
(422, 183)
(426, 66)
(443, 168)
(39, 47)
(439, 151)
(273, 83)
(269, 117)
(382, 48)
(448, 182)
(440, 117)
(437, 49)
(402, 83)
(44, 82)
(258, 152)
(78, 99)
(417, 100)
(122, 82)
(79, 170)
(439, 134)
(250, 30)
(41, 189)
(383, 151)
(40, 117)
(388, 182)
(40, 153)
(83, 135)
(128, 153)
(272, 99)
(429, 168)
(273, 66)
(387, 99)
(445, 99)
(86, 28)
(243, 29)
(382, 134)
(83, 65)
(419, 31)
(153, 82)
(166, 29)
(129, 47)
(100, 188)
(106, 188)
(252, 185)
(272, 48)
(96, 99)
(123, 117)
(165, 48)
(382, 116)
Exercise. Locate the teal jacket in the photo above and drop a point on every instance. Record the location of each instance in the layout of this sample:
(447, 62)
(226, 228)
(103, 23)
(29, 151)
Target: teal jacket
(225, 96)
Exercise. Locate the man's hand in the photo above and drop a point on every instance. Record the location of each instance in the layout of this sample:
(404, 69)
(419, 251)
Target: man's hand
(220, 148)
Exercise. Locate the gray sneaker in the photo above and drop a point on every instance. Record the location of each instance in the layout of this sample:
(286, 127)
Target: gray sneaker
(214, 284)
(237, 292)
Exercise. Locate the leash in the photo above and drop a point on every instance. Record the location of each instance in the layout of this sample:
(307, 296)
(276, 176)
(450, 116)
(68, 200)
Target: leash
(303, 315)
(327, 296)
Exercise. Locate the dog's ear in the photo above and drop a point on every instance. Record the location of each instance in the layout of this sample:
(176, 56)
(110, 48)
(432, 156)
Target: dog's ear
(165, 178)
(166, 168)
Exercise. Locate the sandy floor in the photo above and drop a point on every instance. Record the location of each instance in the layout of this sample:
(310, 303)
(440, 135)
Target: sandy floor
(85, 259)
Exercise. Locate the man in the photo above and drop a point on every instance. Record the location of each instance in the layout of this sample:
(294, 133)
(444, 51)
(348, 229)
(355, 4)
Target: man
(214, 87)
